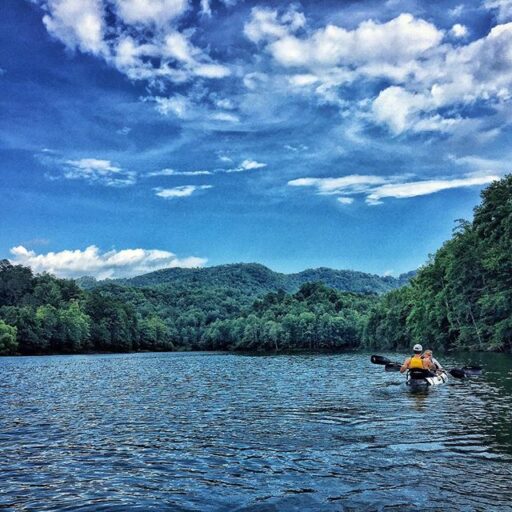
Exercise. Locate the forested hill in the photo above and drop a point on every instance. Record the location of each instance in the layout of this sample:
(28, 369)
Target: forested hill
(254, 279)
(462, 298)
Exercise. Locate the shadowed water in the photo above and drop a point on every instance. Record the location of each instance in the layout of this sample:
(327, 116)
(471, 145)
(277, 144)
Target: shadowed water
(212, 432)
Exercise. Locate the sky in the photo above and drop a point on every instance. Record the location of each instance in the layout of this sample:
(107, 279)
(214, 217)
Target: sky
(143, 134)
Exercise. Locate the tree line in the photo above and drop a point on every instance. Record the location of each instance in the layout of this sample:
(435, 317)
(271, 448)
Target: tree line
(41, 314)
(460, 299)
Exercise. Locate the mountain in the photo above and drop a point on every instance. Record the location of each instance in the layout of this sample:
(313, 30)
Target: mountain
(254, 279)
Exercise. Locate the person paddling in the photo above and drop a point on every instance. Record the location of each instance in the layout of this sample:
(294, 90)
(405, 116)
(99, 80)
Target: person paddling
(415, 361)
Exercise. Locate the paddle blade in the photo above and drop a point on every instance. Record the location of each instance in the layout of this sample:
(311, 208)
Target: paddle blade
(379, 360)
(472, 370)
(458, 373)
(392, 367)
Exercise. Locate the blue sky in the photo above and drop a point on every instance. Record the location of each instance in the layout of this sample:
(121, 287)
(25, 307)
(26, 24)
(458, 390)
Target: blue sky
(140, 134)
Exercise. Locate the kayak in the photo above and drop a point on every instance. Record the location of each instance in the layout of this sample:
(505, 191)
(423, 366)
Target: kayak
(423, 379)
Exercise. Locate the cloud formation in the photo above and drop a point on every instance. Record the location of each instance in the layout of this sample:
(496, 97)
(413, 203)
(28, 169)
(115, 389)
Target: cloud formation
(96, 171)
(141, 38)
(376, 188)
(181, 191)
(172, 172)
(417, 77)
(246, 165)
(102, 265)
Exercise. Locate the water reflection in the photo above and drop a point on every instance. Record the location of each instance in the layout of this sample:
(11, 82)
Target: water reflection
(216, 432)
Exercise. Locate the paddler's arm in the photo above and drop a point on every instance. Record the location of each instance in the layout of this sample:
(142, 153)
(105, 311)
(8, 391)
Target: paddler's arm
(405, 366)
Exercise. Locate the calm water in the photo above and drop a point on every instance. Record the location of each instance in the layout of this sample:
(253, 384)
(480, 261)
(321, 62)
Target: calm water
(210, 432)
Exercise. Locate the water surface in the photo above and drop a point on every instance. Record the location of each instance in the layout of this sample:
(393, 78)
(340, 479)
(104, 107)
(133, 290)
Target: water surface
(212, 432)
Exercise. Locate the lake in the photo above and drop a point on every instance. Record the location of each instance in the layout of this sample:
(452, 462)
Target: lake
(212, 432)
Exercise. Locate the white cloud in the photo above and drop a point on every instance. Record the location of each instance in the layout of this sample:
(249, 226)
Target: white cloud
(144, 12)
(79, 24)
(479, 164)
(354, 183)
(503, 8)
(93, 262)
(254, 80)
(178, 105)
(141, 38)
(225, 117)
(376, 188)
(266, 24)
(125, 130)
(459, 30)
(211, 70)
(303, 80)
(398, 40)
(224, 158)
(94, 170)
(429, 75)
(206, 9)
(295, 149)
(456, 11)
(172, 172)
(246, 165)
(182, 191)
(422, 188)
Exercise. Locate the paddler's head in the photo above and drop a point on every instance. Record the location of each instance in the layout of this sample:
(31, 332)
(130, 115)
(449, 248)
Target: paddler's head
(417, 349)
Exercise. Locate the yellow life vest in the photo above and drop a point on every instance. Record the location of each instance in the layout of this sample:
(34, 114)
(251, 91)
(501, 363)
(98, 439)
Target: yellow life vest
(415, 362)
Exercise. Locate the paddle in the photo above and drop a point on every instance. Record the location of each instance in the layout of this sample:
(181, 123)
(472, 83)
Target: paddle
(380, 360)
(466, 371)
(389, 366)
(458, 373)
(392, 367)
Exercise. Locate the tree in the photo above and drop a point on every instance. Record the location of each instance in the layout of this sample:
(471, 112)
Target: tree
(8, 343)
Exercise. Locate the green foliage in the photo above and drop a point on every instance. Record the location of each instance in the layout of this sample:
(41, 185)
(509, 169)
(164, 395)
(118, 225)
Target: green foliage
(316, 317)
(8, 344)
(462, 298)
(254, 280)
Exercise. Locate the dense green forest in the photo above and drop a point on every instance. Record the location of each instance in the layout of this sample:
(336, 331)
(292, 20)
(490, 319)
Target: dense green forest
(255, 280)
(42, 314)
(460, 299)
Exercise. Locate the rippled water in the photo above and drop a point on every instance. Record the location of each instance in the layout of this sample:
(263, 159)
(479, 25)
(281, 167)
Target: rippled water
(212, 432)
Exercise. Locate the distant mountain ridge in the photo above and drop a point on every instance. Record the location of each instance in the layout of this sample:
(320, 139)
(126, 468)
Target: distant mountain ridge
(256, 279)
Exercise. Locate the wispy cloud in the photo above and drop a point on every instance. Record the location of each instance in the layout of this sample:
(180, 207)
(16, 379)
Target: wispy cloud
(246, 165)
(95, 171)
(423, 188)
(182, 191)
(376, 188)
(93, 262)
(354, 183)
(172, 172)
(479, 164)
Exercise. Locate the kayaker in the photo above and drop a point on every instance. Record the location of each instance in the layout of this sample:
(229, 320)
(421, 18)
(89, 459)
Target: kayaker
(433, 363)
(415, 361)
